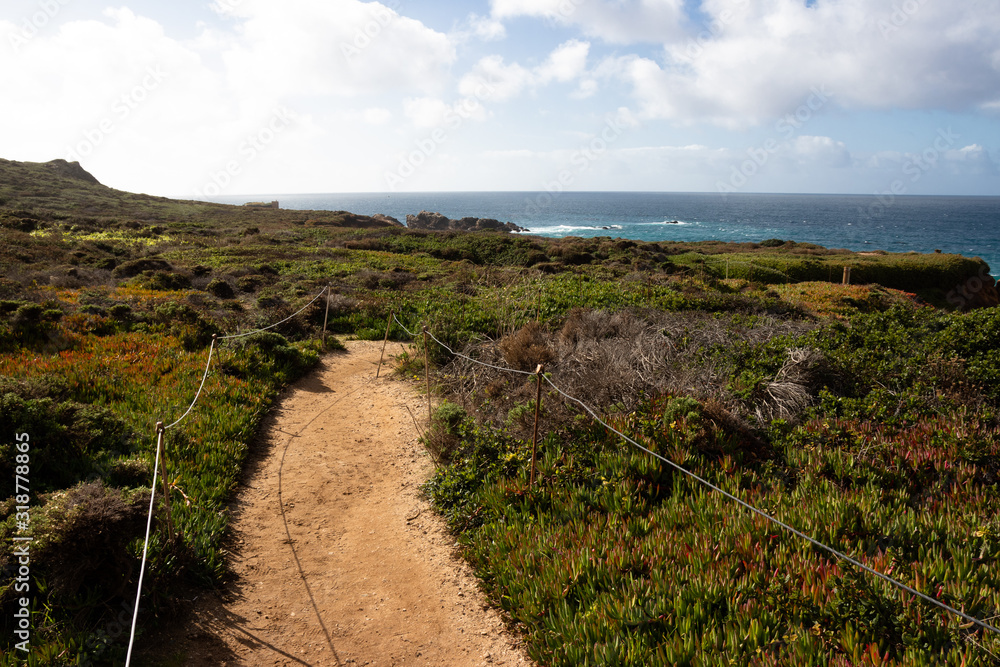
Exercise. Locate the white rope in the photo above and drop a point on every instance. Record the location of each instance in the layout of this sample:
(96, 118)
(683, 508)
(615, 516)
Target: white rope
(775, 521)
(476, 361)
(156, 466)
(719, 262)
(250, 333)
(145, 545)
(412, 335)
(738, 500)
(204, 377)
(458, 354)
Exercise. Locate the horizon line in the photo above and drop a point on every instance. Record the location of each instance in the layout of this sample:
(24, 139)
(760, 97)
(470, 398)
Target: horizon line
(390, 194)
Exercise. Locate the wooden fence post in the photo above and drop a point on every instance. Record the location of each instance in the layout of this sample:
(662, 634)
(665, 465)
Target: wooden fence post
(327, 315)
(534, 436)
(160, 451)
(386, 340)
(427, 377)
(847, 275)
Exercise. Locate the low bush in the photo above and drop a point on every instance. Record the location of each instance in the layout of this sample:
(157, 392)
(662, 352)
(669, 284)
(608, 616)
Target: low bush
(71, 441)
(221, 289)
(83, 558)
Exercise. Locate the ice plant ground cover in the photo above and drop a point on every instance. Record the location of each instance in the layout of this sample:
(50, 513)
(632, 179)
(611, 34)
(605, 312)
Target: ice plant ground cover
(615, 558)
(865, 415)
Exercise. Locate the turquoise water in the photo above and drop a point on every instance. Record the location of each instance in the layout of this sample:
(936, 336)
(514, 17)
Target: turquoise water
(965, 225)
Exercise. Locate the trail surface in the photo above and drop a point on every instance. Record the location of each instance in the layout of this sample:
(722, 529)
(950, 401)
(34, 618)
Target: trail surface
(337, 558)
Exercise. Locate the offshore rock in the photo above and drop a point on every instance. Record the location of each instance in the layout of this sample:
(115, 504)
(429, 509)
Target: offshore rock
(436, 221)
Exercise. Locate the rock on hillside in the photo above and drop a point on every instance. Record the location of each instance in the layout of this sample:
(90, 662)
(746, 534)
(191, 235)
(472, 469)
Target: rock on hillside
(387, 219)
(71, 170)
(428, 220)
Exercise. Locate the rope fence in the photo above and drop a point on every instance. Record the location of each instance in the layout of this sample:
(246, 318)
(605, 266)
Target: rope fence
(983, 623)
(540, 376)
(161, 449)
(759, 267)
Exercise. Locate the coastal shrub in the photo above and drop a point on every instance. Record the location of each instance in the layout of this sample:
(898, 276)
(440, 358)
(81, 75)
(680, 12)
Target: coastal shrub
(527, 348)
(83, 559)
(269, 355)
(248, 284)
(907, 272)
(163, 281)
(392, 280)
(135, 267)
(191, 327)
(443, 436)
(74, 440)
(221, 289)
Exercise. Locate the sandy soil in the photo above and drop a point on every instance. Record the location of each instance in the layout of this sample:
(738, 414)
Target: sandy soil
(337, 559)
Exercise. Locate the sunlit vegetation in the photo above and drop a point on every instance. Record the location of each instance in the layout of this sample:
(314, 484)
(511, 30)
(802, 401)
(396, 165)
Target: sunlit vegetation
(857, 413)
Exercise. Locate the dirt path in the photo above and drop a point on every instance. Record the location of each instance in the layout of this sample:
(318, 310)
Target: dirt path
(337, 559)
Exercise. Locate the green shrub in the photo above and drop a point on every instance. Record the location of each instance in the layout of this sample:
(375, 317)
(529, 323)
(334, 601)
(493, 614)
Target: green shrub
(221, 289)
(136, 267)
(70, 441)
(82, 558)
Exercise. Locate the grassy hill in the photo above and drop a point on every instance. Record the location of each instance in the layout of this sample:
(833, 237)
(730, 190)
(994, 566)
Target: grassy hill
(64, 192)
(864, 414)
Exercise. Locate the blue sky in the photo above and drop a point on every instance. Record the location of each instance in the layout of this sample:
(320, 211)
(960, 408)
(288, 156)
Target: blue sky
(209, 97)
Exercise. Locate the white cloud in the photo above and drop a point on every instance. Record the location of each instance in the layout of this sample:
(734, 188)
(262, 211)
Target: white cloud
(425, 111)
(344, 47)
(144, 110)
(617, 21)
(970, 160)
(376, 116)
(483, 28)
(103, 90)
(754, 62)
(365, 81)
(431, 112)
(822, 150)
(587, 88)
(506, 81)
(567, 62)
(564, 64)
(368, 116)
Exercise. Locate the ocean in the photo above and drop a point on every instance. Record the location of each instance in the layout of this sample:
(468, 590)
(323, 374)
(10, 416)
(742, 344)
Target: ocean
(964, 225)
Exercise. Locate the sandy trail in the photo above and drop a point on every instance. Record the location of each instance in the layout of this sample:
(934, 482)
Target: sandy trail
(337, 559)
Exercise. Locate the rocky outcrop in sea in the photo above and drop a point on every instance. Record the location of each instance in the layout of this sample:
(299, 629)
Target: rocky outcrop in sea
(436, 221)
